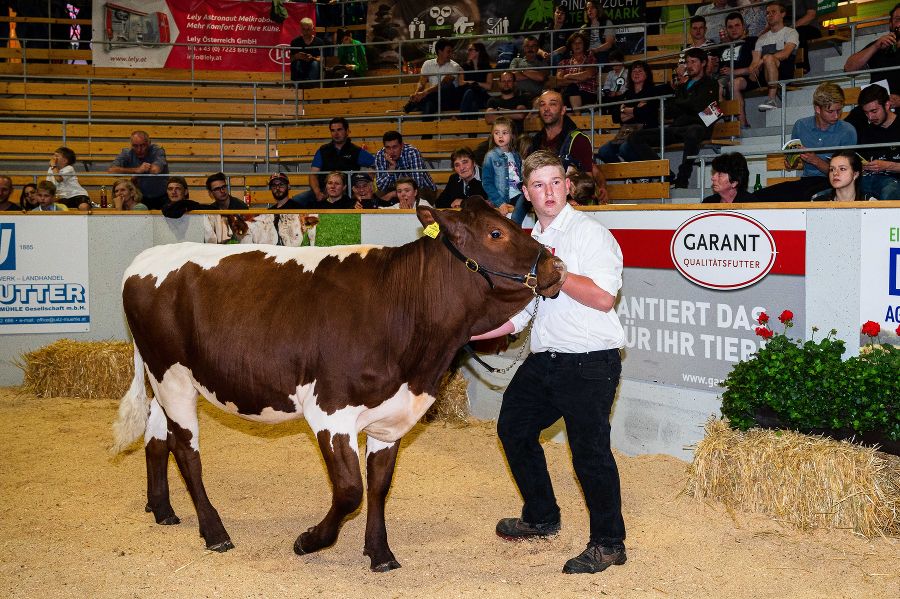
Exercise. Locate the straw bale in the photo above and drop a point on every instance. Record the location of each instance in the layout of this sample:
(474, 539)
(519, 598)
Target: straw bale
(86, 369)
(452, 402)
(812, 482)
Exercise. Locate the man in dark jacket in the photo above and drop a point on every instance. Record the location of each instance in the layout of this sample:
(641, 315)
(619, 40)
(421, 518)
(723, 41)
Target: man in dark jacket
(464, 181)
(340, 154)
(691, 98)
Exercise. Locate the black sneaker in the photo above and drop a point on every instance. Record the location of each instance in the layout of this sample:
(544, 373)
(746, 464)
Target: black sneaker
(516, 529)
(596, 558)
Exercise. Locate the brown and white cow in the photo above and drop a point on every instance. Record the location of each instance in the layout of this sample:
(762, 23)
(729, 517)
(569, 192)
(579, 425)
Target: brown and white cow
(350, 338)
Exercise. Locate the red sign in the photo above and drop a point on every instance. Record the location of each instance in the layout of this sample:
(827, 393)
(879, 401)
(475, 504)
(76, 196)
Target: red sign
(203, 34)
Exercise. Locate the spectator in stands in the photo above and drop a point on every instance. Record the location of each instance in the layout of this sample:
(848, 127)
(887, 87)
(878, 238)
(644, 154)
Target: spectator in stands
(6, 187)
(509, 103)
(882, 53)
(560, 134)
(576, 76)
(477, 80)
(699, 39)
(529, 75)
(336, 197)
(364, 197)
(45, 196)
(397, 159)
(690, 100)
(617, 78)
(62, 173)
(351, 55)
(306, 53)
(822, 130)
(601, 33)
(502, 171)
(439, 82)
(464, 181)
(754, 13)
(582, 189)
(715, 23)
(177, 189)
(552, 44)
(740, 56)
(804, 21)
(634, 115)
(845, 179)
(881, 170)
(26, 197)
(340, 154)
(144, 158)
(126, 196)
(280, 188)
(774, 54)
(408, 195)
(217, 187)
(729, 179)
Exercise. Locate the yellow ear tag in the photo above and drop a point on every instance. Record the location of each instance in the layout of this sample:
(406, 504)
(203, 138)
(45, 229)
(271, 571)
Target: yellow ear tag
(432, 230)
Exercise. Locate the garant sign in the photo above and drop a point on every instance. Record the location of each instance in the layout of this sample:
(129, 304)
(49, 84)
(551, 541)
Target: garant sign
(723, 250)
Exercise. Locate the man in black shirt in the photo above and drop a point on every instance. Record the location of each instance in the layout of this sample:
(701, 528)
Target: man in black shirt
(881, 166)
(742, 55)
(883, 52)
(306, 53)
(510, 103)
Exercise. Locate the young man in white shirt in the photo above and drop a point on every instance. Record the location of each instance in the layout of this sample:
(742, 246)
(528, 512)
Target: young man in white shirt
(572, 373)
(438, 87)
(774, 54)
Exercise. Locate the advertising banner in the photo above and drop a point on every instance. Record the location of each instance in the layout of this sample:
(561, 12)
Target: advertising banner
(37, 294)
(695, 283)
(177, 33)
(880, 272)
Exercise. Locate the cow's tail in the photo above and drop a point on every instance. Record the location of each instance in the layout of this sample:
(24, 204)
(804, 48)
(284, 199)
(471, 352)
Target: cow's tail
(133, 409)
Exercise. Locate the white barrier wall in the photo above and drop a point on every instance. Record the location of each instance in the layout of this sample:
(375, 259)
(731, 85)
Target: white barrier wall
(649, 417)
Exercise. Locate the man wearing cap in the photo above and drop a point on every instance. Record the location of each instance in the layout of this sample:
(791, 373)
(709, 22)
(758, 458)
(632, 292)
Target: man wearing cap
(363, 192)
(280, 187)
(340, 154)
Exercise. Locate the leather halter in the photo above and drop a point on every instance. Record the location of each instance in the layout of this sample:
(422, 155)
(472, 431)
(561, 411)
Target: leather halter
(529, 280)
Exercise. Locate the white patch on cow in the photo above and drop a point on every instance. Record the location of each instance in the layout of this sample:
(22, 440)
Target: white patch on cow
(341, 422)
(157, 428)
(177, 395)
(162, 260)
(393, 418)
(374, 445)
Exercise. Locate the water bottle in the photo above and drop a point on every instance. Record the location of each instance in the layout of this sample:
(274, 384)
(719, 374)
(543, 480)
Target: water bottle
(103, 201)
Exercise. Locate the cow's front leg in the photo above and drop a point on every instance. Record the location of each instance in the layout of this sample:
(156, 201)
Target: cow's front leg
(342, 460)
(380, 460)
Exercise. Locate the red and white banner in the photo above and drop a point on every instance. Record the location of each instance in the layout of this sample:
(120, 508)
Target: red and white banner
(227, 35)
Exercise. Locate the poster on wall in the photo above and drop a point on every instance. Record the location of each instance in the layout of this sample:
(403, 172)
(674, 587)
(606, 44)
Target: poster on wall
(695, 283)
(208, 34)
(40, 295)
(880, 273)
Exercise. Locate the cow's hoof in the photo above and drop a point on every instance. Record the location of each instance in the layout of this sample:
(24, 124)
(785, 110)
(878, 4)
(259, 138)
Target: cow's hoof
(221, 547)
(386, 567)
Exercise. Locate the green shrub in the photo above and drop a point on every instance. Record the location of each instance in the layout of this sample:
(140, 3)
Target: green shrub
(808, 386)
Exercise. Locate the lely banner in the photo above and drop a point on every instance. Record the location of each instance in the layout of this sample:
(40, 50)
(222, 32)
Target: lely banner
(880, 272)
(38, 295)
(210, 34)
(695, 283)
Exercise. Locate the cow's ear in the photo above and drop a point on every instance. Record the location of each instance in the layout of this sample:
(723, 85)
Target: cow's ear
(475, 202)
(427, 215)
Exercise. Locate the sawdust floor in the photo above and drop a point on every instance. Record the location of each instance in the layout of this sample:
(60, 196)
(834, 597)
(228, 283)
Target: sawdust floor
(72, 523)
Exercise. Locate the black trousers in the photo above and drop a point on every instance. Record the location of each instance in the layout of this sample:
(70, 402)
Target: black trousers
(800, 190)
(690, 135)
(580, 389)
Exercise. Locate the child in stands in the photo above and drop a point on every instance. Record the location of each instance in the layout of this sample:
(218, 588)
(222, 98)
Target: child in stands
(502, 172)
(45, 195)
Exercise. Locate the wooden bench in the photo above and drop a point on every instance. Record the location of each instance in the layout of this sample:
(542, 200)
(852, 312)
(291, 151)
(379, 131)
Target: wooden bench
(616, 175)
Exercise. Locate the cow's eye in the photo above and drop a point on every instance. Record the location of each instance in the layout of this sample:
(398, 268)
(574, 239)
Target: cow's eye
(495, 234)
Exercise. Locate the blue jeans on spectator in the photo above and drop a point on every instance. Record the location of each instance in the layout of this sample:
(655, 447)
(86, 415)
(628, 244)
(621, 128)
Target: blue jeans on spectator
(305, 198)
(609, 152)
(474, 99)
(306, 71)
(447, 96)
(882, 187)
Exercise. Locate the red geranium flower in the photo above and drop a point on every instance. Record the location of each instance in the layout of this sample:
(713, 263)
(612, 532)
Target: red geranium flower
(764, 332)
(898, 331)
(871, 329)
(786, 316)
(763, 318)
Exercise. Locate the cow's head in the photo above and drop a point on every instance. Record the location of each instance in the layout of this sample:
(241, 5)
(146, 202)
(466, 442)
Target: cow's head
(494, 247)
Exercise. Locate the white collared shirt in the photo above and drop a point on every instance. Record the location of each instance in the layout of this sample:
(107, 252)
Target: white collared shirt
(563, 324)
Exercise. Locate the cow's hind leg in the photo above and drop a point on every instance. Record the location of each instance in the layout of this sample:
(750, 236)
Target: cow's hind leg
(178, 398)
(156, 452)
(380, 460)
(342, 460)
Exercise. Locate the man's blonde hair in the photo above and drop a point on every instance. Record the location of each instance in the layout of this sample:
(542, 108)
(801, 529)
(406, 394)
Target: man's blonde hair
(539, 159)
(827, 94)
